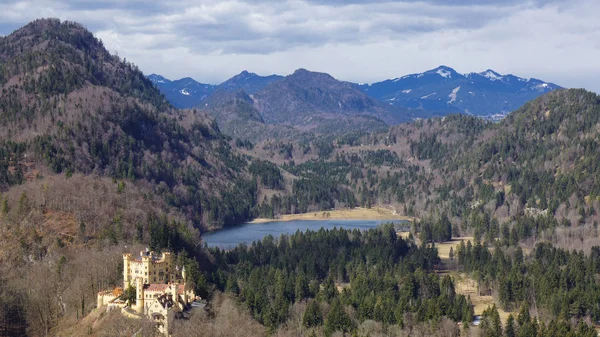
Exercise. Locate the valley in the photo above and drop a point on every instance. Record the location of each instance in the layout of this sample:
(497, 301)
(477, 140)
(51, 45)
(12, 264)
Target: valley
(495, 219)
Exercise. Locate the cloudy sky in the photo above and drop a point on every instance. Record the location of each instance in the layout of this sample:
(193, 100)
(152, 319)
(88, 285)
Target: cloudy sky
(361, 41)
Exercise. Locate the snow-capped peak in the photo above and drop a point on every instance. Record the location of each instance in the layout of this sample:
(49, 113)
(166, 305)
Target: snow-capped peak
(492, 75)
(157, 79)
(541, 86)
(444, 73)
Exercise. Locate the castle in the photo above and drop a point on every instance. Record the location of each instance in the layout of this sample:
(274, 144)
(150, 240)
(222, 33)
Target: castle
(160, 289)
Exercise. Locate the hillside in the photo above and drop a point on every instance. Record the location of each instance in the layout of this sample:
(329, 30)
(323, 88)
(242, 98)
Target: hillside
(237, 117)
(92, 155)
(541, 158)
(70, 106)
(442, 90)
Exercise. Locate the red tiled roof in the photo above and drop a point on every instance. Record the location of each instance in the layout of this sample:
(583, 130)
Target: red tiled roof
(161, 287)
(156, 287)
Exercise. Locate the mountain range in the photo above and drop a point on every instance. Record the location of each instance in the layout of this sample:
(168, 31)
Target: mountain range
(435, 92)
(188, 93)
(253, 107)
(442, 90)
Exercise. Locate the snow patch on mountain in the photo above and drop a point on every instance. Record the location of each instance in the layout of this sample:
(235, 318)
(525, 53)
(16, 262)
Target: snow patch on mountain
(406, 91)
(184, 92)
(453, 94)
(427, 96)
(541, 86)
(444, 73)
(492, 75)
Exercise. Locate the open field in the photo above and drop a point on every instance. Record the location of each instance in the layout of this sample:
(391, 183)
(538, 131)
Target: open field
(468, 287)
(359, 213)
(444, 247)
(463, 283)
(403, 235)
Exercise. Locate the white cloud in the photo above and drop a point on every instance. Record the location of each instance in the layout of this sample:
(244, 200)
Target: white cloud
(358, 41)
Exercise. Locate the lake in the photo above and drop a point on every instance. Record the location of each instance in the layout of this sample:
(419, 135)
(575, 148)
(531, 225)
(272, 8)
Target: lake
(247, 233)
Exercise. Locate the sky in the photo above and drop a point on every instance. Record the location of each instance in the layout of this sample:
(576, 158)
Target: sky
(359, 41)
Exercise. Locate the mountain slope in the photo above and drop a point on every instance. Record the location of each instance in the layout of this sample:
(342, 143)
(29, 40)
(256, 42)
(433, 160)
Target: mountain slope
(69, 106)
(305, 97)
(303, 104)
(94, 159)
(442, 90)
(182, 93)
(236, 116)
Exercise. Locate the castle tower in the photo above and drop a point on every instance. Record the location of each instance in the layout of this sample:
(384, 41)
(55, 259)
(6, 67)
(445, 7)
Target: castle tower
(139, 296)
(168, 259)
(126, 271)
(146, 264)
(173, 290)
(183, 274)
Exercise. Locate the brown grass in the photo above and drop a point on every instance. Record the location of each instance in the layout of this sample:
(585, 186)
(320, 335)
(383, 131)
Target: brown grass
(444, 247)
(403, 235)
(359, 213)
(100, 323)
(466, 286)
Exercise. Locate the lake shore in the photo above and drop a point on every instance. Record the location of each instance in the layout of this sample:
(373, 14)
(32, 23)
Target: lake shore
(359, 213)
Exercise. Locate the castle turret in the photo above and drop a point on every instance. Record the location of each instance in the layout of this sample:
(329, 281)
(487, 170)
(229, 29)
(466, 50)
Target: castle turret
(146, 262)
(126, 270)
(139, 296)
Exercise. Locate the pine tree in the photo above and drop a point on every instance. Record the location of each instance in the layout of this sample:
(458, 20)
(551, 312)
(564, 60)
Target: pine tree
(338, 320)
(301, 289)
(329, 290)
(509, 330)
(313, 316)
(232, 285)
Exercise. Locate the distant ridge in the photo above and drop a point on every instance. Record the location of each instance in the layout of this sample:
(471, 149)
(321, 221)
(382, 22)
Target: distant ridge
(182, 93)
(439, 91)
(442, 90)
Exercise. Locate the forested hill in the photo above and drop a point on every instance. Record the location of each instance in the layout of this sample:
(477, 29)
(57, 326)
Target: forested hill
(541, 160)
(69, 107)
(92, 155)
